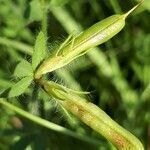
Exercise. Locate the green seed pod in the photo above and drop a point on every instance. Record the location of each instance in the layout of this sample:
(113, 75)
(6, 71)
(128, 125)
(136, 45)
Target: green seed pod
(94, 36)
(100, 122)
(93, 116)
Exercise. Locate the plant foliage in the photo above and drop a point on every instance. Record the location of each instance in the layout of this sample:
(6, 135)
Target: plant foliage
(117, 73)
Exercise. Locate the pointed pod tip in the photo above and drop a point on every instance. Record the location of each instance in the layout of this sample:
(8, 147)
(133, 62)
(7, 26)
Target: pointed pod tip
(131, 10)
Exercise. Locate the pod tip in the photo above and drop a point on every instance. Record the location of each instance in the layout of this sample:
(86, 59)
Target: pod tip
(135, 7)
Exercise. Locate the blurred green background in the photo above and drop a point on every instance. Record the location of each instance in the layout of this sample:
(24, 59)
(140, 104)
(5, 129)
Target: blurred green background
(116, 73)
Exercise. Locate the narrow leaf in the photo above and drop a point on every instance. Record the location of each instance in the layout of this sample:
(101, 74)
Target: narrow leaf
(23, 69)
(39, 50)
(20, 87)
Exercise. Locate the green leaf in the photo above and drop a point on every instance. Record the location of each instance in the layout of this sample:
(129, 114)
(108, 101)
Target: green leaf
(20, 87)
(23, 69)
(39, 50)
(35, 11)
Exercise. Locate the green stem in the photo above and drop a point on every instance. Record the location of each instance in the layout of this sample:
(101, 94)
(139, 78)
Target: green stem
(46, 123)
(44, 17)
(34, 103)
(17, 45)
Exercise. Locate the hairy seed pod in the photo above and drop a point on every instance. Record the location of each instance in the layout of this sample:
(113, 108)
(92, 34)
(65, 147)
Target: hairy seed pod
(100, 122)
(93, 116)
(94, 36)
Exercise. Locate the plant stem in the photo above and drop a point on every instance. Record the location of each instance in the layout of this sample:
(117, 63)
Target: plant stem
(46, 123)
(44, 17)
(15, 44)
(34, 103)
